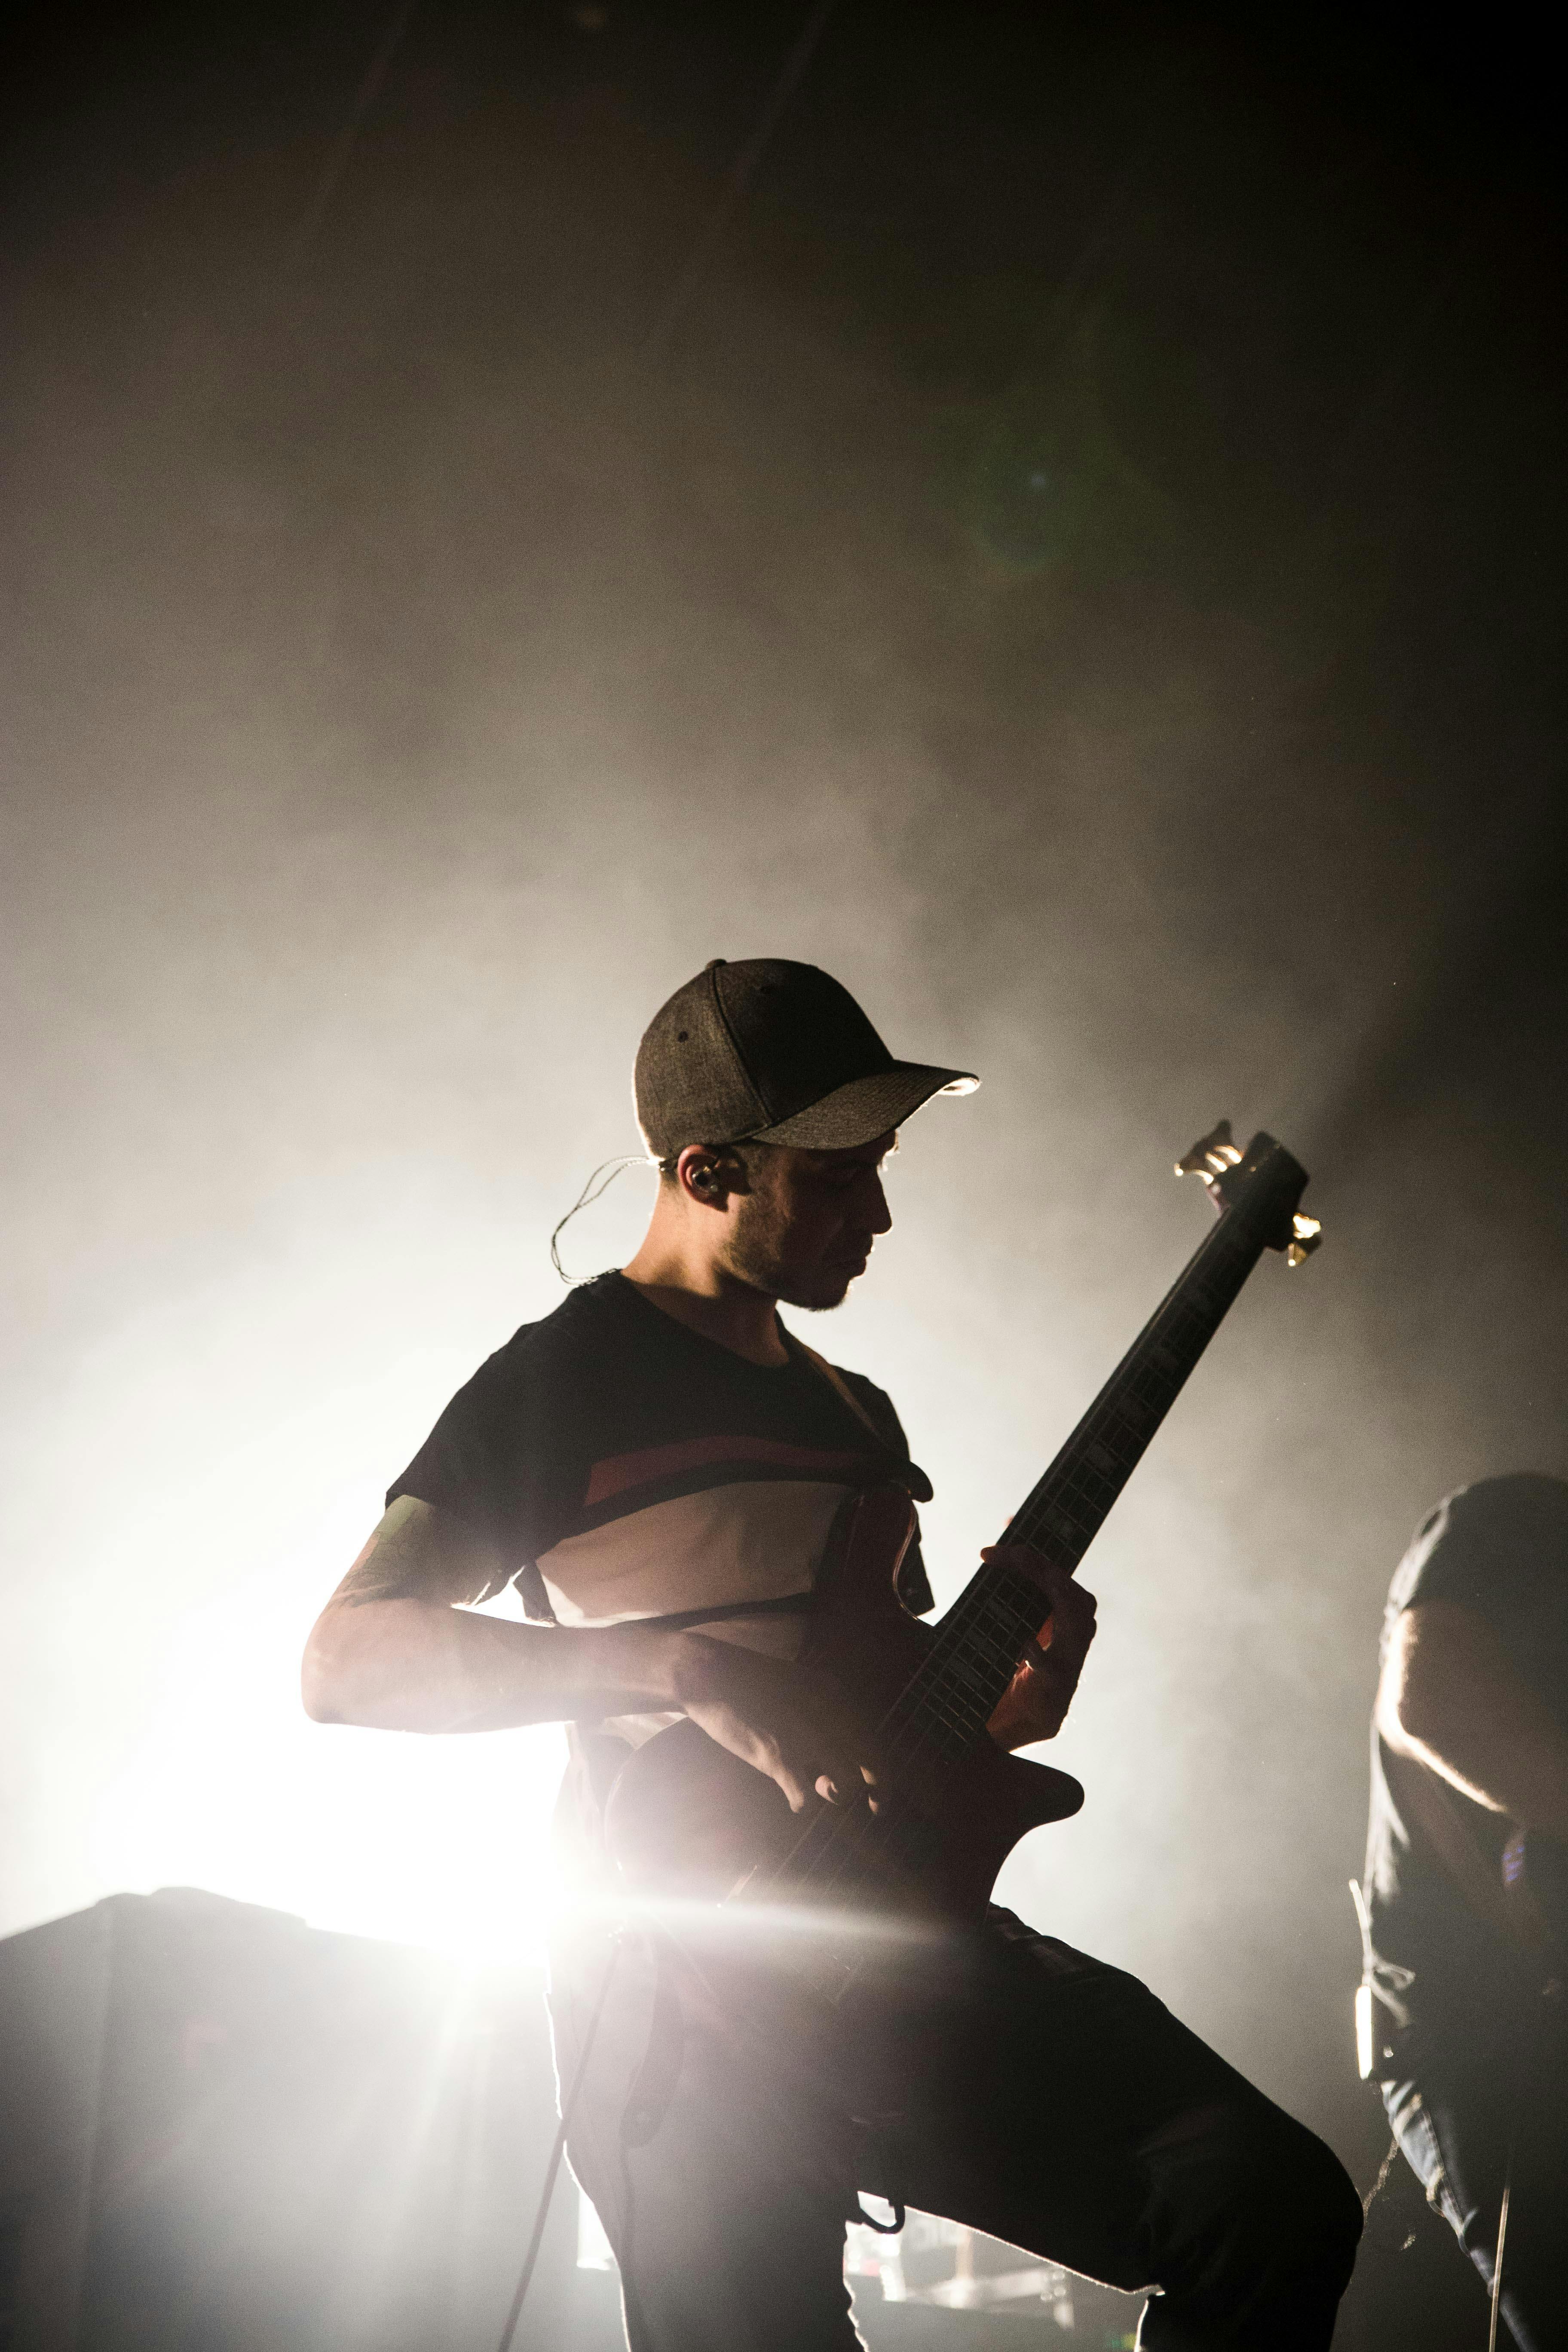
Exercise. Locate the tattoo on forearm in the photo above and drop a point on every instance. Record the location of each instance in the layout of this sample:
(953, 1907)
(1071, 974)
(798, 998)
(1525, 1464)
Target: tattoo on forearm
(414, 1556)
(378, 1574)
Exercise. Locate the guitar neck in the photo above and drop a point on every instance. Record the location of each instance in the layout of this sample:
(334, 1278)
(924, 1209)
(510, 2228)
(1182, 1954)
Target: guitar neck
(990, 1627)
(1063, 1512)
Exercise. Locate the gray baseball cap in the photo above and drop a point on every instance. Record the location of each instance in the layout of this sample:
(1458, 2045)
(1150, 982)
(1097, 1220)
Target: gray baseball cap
(771, 1052)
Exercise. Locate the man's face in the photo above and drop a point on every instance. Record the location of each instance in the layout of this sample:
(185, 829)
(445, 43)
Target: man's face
(804, 1229)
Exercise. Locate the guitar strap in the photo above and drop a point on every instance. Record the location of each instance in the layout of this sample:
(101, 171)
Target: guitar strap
(837, 1382)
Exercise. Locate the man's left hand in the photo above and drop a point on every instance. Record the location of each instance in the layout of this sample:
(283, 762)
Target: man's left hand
(1041, 1691)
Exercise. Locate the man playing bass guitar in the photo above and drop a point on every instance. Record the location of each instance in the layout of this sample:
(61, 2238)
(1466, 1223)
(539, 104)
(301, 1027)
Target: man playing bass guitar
(661, 1468)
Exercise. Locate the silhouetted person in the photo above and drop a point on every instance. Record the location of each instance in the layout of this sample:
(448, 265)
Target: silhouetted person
(659, 1465)
(1463, 2019)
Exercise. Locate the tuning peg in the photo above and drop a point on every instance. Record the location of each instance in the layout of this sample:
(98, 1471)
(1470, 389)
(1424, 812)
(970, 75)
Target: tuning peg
(1211, 1155)
(1307, 1233)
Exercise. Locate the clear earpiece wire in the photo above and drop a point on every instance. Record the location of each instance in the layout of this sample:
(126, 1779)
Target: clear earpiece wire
(588, 1195)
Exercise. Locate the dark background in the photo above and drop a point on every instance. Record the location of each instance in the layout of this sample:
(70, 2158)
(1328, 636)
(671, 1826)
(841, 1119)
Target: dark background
(1075, 546)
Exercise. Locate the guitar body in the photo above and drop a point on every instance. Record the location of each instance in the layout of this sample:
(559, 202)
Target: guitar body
(688, 1820)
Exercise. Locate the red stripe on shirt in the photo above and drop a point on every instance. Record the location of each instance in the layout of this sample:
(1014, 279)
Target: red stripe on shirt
(623, 1470)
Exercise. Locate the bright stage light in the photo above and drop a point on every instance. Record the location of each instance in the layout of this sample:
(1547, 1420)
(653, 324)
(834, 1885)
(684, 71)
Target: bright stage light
(236, 1471)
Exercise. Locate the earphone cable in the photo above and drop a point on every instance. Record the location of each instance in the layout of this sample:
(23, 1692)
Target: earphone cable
(588, 1195)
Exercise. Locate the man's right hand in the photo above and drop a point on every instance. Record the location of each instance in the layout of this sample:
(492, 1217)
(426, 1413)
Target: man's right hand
(788, 1720)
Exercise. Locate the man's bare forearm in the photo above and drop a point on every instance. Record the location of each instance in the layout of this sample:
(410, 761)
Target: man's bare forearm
(399, 1647)
(401, 1665)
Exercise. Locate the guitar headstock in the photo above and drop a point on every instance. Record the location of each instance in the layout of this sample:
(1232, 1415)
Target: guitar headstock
(1262, 1184)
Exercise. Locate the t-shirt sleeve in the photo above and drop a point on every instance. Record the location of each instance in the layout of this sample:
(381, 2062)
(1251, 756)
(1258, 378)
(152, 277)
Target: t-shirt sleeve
(493, 1460)
(881, 1411)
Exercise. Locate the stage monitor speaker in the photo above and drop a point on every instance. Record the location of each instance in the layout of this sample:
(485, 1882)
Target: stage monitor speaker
(224, 2131)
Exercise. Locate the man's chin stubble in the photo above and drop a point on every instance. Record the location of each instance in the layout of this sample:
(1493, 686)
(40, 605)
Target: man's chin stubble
(819, 1299)
(818, 1293)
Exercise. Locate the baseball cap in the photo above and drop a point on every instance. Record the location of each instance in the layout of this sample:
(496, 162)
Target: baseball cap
(768, 1051)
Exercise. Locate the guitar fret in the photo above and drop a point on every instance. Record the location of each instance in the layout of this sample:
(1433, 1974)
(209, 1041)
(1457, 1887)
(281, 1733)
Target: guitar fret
(997, 1655)
(949, 1711)
(937, 1701)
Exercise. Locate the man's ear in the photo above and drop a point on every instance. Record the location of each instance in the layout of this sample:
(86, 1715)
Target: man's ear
(706, 1176)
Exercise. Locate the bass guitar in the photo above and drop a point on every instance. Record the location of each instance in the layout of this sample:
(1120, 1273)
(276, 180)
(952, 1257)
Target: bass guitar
(687, 1822)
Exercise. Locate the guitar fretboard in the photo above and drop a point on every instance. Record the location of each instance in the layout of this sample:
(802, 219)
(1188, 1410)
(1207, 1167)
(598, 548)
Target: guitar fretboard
(951, 1700)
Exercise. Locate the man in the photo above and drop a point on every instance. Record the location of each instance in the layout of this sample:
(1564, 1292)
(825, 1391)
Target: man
(1464, 1913)
(659, 1466)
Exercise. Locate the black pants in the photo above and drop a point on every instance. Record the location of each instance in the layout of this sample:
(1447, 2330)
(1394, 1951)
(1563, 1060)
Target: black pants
(1472, 2098)
(1031, 2093)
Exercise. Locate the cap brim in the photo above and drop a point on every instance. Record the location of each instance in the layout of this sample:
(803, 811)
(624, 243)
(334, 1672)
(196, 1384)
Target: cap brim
(866, 1107)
